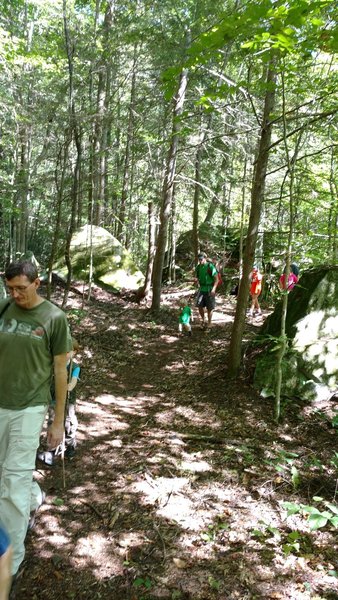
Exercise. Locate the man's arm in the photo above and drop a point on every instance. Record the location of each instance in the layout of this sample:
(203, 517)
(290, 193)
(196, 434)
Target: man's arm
(214, 287)
(56, 430)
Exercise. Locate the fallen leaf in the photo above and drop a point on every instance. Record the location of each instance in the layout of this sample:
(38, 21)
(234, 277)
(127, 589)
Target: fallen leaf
(179, 563)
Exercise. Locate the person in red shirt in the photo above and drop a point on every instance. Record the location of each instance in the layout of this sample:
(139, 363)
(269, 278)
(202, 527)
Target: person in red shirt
(255, 290)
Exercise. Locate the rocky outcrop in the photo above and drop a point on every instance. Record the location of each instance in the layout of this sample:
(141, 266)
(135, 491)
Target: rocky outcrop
(310, 366)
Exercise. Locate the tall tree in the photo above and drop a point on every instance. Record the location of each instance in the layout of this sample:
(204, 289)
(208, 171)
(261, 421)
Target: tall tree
(257, 195)
(167, 191)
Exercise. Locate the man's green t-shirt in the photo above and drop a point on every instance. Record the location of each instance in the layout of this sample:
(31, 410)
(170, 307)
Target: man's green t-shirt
(29, 340)
(206, 274)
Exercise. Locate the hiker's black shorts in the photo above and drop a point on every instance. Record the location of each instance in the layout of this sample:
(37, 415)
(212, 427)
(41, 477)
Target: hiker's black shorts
(205, 300)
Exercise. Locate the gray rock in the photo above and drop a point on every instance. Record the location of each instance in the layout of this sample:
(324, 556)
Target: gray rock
(310, 365)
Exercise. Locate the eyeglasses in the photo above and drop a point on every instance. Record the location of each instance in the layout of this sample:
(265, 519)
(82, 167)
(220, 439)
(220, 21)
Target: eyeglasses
(20, 289)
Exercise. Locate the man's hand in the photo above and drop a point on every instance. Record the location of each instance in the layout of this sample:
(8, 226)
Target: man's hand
(213, 292)
(55, 435)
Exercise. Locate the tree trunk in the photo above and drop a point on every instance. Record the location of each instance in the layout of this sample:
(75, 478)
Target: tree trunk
(283, 342)
(75, 135)
(241, 234)
(333, 213)
(151, 250)
(56, 233)
(98, 154)
(197, 192)
(257, 194)
(130, 131)
(167, 193)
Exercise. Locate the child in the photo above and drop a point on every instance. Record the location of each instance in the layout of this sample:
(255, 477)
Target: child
(71, 422)
(255, 290)
(184, 318)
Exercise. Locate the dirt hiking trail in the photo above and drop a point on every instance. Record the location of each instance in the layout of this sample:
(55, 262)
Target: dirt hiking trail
(175, 490)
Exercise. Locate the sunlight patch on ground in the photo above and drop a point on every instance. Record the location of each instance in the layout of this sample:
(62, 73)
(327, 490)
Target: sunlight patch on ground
(127, 405)
(105, 399)
(221, 318)
(99, 549)
(197, 417)
(195, 466)
(171, 498)
(165, 418)
(116, 443)
(146, 401)
(169, 339)
(179, 365)
(96, 429)
(85, 493)
(175, 415)
(160, 492)
(56, 541)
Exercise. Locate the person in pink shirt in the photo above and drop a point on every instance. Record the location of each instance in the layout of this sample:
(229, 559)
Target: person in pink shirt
(292, 279)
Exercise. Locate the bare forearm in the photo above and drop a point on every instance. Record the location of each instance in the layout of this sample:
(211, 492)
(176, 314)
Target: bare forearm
(56, 430)
(60, 395)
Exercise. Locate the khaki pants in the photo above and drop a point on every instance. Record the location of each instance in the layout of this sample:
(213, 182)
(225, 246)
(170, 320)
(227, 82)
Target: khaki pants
(19, 439)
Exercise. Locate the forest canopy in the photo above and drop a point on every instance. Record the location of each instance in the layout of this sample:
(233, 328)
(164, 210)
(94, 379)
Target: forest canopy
(112, 108)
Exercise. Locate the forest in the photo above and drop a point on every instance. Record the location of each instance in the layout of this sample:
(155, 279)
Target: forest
(169, 128)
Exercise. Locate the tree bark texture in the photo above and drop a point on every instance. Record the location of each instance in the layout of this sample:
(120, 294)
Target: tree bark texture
(167, 192)
(257, 194)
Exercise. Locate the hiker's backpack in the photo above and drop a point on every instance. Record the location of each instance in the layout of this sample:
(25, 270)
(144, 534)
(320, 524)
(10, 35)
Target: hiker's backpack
(209, 271)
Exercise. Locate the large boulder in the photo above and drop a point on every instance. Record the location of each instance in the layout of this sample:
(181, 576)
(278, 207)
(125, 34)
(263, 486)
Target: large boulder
(310, 365)
(113, 265)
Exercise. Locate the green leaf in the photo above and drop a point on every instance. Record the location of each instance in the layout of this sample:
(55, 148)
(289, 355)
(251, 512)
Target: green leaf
(334, 521)
(293, 536)
(295, 476)
(311, 510)
(316, 521)
(58, 502)
(332, 507)
(292, 508)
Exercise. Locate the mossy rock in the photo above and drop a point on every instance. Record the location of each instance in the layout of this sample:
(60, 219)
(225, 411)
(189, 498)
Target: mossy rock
(213, 241)
(317, 289)
(113, 266)
(310, 366)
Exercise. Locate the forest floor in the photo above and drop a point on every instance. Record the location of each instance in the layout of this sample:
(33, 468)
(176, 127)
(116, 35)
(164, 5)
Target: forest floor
(176, 488)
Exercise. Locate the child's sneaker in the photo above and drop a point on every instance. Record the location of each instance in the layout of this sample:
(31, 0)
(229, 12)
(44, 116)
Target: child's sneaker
(46, 457)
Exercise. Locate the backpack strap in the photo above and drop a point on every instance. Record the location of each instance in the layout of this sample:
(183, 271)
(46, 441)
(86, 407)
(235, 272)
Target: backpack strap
(4, 308)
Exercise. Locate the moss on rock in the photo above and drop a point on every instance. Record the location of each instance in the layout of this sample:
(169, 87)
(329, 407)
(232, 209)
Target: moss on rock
(113, 265)
(310, 366)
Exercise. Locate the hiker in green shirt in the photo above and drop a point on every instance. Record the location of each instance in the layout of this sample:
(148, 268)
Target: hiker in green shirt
(33, 345)
(207, 278)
